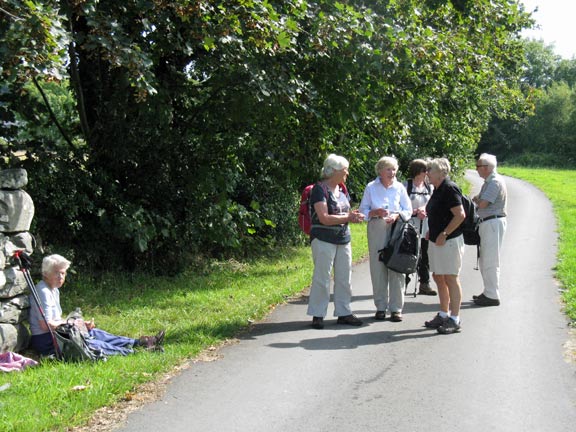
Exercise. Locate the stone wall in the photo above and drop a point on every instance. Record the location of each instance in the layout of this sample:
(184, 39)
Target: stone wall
(16, 213)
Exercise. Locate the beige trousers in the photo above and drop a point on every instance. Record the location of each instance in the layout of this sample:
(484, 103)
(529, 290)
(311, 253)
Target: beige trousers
(387, 285)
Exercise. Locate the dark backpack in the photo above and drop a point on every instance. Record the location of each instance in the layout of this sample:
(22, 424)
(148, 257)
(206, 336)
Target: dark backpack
(470, 224)
(73, 345)
(401, 252)
(305, 211)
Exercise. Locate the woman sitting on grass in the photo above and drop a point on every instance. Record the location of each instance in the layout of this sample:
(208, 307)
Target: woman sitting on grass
(54, 268)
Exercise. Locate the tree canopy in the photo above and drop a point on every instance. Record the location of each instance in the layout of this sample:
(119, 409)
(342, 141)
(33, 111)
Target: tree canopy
(185, 127)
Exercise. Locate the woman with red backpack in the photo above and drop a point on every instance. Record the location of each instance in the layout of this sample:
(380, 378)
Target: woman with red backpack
(330, 241)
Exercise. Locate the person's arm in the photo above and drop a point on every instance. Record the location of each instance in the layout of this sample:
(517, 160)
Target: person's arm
(482, 204)
(487, 196)
(458, 216)
(54, 323)
(405, 205)
(43, 325)
(365, 202)
(90, 324)
(48, 311)
(325, 218)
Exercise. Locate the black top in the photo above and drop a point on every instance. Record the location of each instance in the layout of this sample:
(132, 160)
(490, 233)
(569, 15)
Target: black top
(335, 234)
(447, 196)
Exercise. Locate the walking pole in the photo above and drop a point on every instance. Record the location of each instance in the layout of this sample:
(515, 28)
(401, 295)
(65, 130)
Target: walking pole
(23, 261)
(419, 258)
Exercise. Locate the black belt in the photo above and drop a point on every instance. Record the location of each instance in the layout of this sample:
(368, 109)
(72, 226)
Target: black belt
(491, 217)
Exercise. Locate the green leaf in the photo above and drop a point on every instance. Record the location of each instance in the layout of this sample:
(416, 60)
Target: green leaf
(283, 40)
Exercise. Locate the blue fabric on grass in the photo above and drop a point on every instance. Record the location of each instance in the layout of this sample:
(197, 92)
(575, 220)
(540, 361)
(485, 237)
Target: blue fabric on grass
(110, 344)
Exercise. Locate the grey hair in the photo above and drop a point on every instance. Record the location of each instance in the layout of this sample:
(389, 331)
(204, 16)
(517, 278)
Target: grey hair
(333, 163)
(55, 261)
(489, 160)
(385, 162)
(441, 165)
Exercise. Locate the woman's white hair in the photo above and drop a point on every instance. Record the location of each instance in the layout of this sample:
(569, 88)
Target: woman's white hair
(386, 162)
(488, 159)
(441, 165)
(333, 163)
(55, 261)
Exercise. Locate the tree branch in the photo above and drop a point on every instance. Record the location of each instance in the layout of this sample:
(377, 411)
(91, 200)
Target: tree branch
(51, 113)
(14, 17)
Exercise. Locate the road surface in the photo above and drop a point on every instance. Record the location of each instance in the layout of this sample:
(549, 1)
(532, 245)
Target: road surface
(506, 371)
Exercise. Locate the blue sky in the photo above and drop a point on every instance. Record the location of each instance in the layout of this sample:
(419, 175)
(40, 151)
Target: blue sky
(557, 21)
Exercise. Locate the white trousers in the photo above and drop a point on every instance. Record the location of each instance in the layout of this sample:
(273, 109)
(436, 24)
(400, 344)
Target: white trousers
(491, 236)
(328, 256)
(387, 285)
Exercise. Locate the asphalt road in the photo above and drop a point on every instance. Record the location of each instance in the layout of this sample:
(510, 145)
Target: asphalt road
(506, 371)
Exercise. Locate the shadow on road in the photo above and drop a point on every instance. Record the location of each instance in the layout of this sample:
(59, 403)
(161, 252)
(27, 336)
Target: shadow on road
(351, 341)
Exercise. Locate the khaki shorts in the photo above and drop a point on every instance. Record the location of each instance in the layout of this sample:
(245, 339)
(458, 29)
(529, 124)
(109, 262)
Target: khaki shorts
(446, 259)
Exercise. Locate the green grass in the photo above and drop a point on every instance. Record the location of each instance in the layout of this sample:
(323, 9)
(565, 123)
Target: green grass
(198, 309)
(560, 187)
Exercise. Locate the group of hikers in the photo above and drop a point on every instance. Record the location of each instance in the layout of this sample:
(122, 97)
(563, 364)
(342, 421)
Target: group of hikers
(433, 202)
(429, 199)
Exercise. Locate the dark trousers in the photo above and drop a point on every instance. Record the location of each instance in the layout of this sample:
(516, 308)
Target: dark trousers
(423, 263)
(43, 344)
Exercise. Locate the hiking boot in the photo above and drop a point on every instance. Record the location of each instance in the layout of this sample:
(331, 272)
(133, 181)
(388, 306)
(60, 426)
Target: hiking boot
(448, 327)
(349, 320)
(425, 289)
(380, 315)
(147, 342)
(482, 300)
(436, 322)
(160, 337)
(153, 343)
(318, 323)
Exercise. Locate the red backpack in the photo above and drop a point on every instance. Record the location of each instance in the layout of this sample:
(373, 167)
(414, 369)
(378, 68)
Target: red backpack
(305, 212)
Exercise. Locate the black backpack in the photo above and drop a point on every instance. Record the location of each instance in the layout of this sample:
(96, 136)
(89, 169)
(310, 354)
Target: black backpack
(470, 224)
(401, 252)
(73, 345)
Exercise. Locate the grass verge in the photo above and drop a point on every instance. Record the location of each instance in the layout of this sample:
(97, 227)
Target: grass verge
(560, 187)
(197, 309)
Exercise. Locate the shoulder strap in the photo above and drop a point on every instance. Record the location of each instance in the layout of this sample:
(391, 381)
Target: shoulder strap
(410, 186)
(344, 189)
(428, 187)
(324, 188)
(341, 186)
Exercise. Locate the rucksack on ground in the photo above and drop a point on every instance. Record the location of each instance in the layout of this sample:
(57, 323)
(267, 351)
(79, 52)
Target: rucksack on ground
(305, 211)
(470, 224)
(73, 346)
(401, 252)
